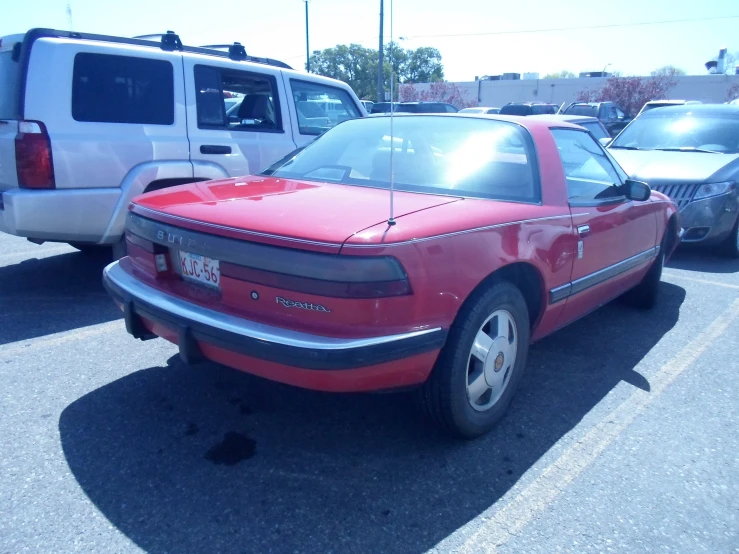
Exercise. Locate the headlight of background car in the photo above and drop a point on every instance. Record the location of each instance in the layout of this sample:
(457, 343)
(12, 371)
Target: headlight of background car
(712, 189)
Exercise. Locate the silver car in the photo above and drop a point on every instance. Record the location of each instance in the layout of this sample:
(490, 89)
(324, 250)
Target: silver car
(691, 154)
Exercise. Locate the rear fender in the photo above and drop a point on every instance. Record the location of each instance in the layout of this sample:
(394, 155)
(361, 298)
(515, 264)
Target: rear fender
(135, 183)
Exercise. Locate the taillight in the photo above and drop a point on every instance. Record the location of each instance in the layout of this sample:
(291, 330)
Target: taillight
(33, 160)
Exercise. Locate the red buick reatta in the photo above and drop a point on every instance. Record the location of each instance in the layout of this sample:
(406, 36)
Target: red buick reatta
(502, 231)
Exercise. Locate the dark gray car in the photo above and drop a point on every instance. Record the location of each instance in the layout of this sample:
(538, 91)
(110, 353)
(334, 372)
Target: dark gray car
(691, 154)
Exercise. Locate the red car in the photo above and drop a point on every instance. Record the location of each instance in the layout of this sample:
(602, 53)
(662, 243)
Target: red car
(503, 230)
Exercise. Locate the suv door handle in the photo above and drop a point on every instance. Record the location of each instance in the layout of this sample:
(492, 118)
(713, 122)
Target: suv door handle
(214, 149)
(583, 230)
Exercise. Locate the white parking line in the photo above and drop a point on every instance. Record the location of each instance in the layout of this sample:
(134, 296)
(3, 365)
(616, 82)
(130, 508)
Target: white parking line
(704, 281)
(501, 525)
(13, 257)
(49, 341)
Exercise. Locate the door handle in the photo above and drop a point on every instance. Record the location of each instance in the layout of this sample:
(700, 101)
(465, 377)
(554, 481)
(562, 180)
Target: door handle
(583, 230)
(214, 149)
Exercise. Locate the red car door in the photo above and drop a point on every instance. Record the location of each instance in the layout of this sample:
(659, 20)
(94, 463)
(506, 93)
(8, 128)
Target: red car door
(615, 236)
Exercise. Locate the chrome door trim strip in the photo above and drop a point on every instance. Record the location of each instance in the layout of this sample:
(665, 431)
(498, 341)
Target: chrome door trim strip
(583, 283)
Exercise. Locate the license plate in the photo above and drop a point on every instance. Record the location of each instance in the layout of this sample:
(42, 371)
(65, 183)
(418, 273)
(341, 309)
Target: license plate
(195, 267)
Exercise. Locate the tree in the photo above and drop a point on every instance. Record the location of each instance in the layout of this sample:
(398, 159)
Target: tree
(440, 91)
(357, 66)
(631, 93)
(668, 71)
(732, 93)
(564, 74)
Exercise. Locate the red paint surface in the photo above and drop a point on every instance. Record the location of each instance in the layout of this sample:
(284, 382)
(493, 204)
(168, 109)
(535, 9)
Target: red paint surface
(446, 245)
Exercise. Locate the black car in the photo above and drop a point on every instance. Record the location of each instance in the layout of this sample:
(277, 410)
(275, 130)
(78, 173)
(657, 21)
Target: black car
(610, 115)
(528, 108)
(414, 107)
(691, 154)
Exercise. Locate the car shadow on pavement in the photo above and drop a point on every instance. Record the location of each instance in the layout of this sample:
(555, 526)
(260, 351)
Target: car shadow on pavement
(54, 294)
(702, 259)
(206, 459)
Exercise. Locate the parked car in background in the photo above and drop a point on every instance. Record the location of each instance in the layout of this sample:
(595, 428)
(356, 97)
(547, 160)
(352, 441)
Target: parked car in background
(88, 122)
(425, 107)
(382, 107)
(528, 108)
(612, 117)
(592, 124)
(316, 286)
(691, 154)
(664, 103)
(480, 110)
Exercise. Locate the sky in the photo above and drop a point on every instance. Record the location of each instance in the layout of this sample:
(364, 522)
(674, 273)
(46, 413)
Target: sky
(492, 37)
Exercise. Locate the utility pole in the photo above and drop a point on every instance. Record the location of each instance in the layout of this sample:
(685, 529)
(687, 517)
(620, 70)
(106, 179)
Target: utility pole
(380, 72)
(307, 48)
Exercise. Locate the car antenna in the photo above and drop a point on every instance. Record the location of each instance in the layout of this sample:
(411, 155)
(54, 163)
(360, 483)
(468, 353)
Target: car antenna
(391, 220)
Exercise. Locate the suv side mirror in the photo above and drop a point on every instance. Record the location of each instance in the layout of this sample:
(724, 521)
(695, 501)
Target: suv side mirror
(636, 190)
(605, 141)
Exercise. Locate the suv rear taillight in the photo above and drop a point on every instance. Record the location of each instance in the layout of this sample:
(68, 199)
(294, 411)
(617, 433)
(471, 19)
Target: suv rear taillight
(33, 160)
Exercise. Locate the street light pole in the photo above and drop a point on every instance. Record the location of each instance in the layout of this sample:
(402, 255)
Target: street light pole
(380, 72)
(307, 48)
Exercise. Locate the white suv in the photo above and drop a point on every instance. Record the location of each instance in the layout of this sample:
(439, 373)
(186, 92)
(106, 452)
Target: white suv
(87, 122)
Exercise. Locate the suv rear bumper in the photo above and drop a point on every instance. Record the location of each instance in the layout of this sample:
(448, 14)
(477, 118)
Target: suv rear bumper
(79, 215)
(194, 326)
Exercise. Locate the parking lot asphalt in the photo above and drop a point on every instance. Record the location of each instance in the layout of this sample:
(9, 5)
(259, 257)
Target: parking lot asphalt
(623, 438)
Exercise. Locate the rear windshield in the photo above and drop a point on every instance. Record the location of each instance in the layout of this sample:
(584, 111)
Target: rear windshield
(441, 155)
(516, 109)
(595, 128)
(590, 111)
(9, 82)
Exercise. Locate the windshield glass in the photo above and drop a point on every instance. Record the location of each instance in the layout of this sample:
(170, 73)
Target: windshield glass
(665, 129)
(595, 128)
(582, 109)
(440, 155)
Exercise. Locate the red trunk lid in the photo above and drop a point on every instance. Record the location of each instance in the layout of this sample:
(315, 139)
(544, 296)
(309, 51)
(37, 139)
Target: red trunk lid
(318, 215)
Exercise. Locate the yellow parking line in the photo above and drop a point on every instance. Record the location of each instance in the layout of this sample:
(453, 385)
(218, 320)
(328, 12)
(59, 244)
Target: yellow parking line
(29, 345)
(704, 281)
(535, 497)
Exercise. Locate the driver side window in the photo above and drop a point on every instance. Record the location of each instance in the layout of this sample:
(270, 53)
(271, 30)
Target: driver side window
(589, 173)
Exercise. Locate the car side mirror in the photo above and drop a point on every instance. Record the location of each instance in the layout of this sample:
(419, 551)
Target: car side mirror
(636, 190)
(605, 141)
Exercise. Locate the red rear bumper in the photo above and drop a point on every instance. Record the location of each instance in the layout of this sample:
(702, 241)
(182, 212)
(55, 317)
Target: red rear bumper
(309, 361)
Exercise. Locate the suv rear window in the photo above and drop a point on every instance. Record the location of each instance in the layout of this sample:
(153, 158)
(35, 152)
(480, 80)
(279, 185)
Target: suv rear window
(515, 109)
(122, 89)
(9, 77)
(582, 109)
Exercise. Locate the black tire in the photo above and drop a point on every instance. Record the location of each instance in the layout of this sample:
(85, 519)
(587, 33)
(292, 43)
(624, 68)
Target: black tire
(119, 249)
(645, 294)
(443, 397)
(730, 246)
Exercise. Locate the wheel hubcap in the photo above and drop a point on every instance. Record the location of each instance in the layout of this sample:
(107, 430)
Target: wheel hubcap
(491, 360)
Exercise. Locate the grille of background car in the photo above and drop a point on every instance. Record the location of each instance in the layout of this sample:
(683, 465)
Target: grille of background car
(680, 194)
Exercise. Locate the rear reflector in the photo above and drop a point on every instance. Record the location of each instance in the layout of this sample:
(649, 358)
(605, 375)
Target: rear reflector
(319, 287)
(33, 161)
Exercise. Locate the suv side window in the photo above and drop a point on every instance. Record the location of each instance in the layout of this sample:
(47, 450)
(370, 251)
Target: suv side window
(319, 107)
(588, 170)
(122, 89)
(450, 108)
(257, 106)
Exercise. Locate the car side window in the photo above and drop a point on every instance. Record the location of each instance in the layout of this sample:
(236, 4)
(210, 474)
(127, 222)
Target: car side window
(589, 172)
(236, 100)
(122, 89)
(319, 107)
